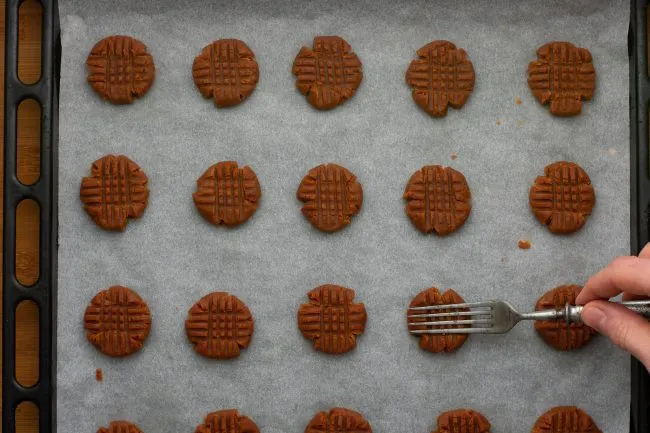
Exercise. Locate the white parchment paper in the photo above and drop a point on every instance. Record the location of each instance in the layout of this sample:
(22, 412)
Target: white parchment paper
(172, 257)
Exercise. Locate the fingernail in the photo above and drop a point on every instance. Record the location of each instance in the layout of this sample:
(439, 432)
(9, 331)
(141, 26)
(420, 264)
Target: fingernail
(594, 316)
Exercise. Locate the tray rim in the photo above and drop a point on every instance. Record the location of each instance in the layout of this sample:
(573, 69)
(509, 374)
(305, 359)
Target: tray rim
(639, 185)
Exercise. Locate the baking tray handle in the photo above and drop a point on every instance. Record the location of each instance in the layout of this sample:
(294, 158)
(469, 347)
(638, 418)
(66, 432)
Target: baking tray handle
(44, 192)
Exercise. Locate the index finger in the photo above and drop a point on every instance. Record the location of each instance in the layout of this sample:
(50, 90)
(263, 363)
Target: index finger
(625, 274)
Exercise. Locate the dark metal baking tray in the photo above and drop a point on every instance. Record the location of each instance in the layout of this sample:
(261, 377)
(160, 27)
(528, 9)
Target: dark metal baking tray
(44, 192)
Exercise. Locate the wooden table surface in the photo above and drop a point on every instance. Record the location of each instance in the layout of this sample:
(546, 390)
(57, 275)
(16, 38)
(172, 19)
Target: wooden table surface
(27, 218)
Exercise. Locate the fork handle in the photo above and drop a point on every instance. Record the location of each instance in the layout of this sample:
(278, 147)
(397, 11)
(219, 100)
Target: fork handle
(567, 313)
(572, 314)
(640, 307)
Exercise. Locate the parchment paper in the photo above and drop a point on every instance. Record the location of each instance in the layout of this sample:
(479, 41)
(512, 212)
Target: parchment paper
(172, 257)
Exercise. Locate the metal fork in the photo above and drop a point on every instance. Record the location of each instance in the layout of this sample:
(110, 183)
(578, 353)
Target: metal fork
(494, 317)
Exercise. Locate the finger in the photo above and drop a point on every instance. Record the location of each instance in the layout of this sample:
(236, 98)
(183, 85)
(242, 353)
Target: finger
(599, 286)
(645, 252)
(625, 328)
(625, 274)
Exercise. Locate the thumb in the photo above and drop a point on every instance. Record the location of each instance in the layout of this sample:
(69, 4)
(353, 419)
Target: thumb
(624, 327)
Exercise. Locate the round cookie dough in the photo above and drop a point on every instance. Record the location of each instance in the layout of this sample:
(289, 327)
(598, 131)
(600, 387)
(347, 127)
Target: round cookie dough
(219, 325)
(120, 68)
(438, 199)
(120, 427)
(562, 76)
(558, 333)
(227, 194)
(332, 195)
(329, 73)
(442, 75)
(436, 343)
(117, 321)
(462, 421)
(227, 421)
(226, 70)
(331, 319)
(115, 190)
(563, 198)
(338, 420)
(565, 419)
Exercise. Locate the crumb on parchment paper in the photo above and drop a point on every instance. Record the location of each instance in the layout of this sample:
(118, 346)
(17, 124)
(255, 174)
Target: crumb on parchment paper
(524, 244)
(99, 375)
(453, 156)
(518, 101)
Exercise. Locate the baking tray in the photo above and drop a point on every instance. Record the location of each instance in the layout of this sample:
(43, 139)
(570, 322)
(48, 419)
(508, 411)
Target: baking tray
(44, 192)
(43, 393)
(638, 37)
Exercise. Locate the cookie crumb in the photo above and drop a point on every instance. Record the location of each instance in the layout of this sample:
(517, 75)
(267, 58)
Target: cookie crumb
(453, 156)
(99, 375)
(498, 122)
(518, 101)
(524, 244)
(612, 151)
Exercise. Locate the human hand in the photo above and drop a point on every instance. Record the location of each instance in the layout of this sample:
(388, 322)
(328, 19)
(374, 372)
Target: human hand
(630, 276)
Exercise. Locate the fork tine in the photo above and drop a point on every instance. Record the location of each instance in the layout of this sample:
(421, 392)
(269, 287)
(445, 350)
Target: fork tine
(454, 313)
(486, 330)
(452, 322)
(453, 306)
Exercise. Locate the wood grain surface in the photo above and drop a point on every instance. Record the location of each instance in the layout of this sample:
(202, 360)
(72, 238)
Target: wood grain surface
(27, 235)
